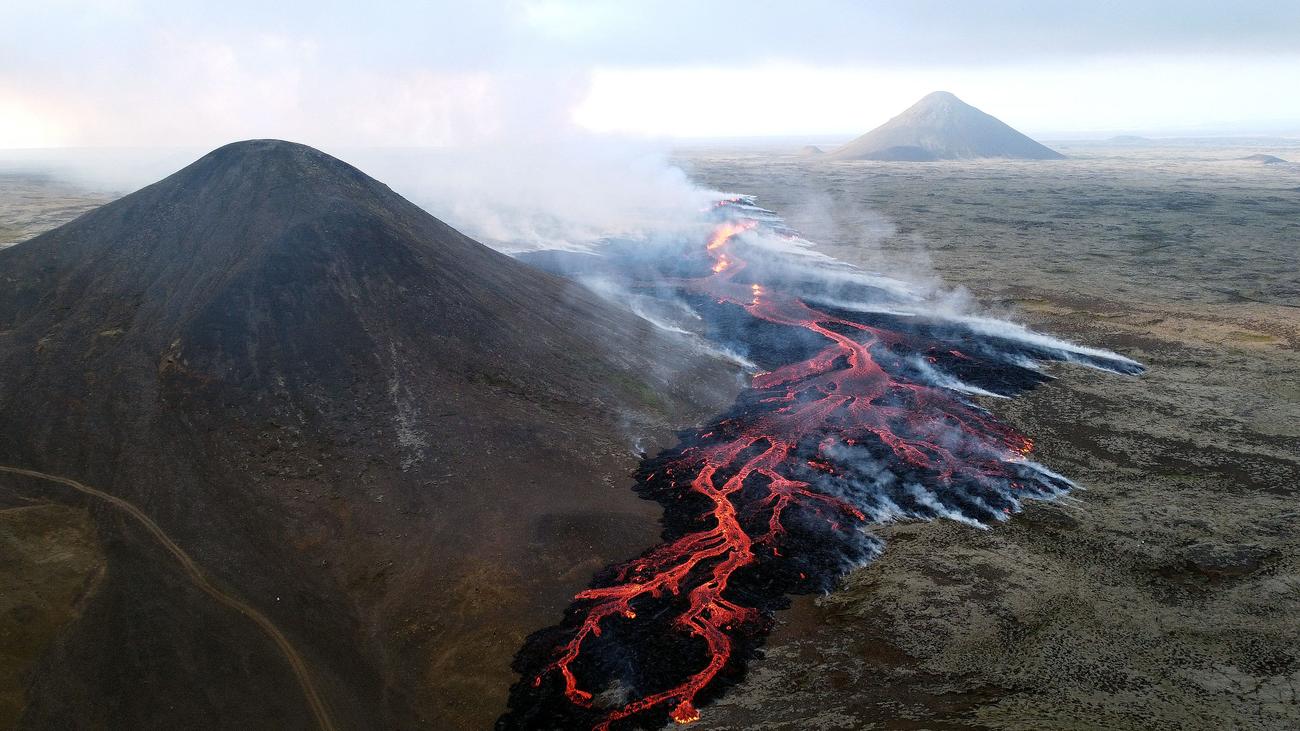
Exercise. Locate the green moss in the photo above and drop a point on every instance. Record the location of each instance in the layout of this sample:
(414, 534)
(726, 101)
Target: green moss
(1251, 337)
(50, 561)
(645, 395)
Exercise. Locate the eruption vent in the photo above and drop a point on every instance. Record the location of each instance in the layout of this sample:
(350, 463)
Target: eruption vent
(863, 415)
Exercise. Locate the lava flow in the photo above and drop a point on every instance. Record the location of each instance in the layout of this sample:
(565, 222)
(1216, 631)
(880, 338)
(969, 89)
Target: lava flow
(863, 416)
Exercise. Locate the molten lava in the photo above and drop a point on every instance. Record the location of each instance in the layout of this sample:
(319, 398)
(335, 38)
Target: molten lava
(863, 423)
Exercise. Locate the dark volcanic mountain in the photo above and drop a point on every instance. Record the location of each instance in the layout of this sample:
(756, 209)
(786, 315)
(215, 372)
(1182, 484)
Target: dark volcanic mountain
(943, 127)
(399, 445)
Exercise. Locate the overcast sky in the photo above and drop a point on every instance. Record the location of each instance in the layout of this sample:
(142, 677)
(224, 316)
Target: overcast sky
(143, 73)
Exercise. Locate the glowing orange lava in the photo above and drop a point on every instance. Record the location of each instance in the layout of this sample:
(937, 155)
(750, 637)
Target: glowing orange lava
(842, 386)
(864, 416)
(725, 231)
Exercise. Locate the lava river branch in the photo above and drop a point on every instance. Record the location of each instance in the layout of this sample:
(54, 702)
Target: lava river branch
(863, 415)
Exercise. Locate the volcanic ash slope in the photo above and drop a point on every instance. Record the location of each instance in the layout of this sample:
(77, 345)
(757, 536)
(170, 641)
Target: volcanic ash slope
(398, 444)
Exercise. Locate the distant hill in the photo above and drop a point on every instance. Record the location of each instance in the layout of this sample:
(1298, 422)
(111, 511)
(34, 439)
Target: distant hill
(811, 151)
(392, 440)
(943, 127)
(1129, 139)
(1265, 159)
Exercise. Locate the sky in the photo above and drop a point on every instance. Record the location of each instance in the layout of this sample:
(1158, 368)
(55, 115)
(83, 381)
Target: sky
(140, 73)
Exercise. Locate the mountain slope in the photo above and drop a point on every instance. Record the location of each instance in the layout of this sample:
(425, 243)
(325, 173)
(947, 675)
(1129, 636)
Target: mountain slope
(942, 127)
(392, 440)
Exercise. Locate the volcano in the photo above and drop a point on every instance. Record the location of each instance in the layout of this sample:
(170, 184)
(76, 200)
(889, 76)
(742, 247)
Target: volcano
(942, 127)
(394, 443)
(1265, 159)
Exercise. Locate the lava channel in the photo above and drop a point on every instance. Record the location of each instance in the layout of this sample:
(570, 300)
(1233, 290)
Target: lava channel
(864, 416)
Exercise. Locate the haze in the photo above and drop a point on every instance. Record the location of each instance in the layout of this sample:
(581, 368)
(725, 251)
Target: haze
(141, 73)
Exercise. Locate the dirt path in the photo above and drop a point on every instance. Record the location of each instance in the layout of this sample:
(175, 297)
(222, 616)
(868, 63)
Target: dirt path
(201, 581)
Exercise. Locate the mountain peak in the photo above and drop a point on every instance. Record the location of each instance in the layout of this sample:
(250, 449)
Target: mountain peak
(942, 127)
(261, 152)
(936, 97)
(237, 205)
(268, 221)
(263, 146)
(264, 167)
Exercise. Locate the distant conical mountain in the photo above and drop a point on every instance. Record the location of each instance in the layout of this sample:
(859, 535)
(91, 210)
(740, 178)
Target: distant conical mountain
(943, 127)
(395, 442)
(1265, 159)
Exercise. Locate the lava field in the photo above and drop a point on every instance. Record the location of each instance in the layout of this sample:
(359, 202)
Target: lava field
(861, 411)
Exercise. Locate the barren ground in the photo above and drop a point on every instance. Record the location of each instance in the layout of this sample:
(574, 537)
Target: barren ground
(31, 203)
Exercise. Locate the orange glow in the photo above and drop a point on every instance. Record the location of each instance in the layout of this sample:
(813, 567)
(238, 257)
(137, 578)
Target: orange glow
(725, 231)
(685, 713)
(841, 390)
(723, 234)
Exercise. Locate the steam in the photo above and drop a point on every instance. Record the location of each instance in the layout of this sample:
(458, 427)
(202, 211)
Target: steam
(932, 375)
(496, 155)
(550, 187)
(567, 193)
(780, 254)
(864, 413)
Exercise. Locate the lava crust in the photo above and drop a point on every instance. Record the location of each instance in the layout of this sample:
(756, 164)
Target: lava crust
(861, 415)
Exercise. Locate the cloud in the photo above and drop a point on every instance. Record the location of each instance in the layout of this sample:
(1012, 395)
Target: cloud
(541, 33)
(1170, 94)
(147, 72)
(916, 33)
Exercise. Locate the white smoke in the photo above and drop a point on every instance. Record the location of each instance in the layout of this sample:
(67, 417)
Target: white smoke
(941, 379)
(566, 193)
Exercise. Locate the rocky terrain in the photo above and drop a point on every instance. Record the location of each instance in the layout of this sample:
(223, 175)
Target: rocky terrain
(1164, 597)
